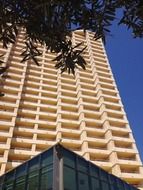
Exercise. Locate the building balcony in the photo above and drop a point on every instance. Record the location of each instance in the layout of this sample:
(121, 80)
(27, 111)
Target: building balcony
(4, 146)
(92, 99)
(126, 162)
(69, 114)
(97, 121)
(23, 139)
(40, 121)
(91, 113)
(117, 120)
(13, 164)
(71, 142)
(99, 151)
(98, 140)
(131, 177)
(69, 121)
(106, 165)
(122, 139)
(119, 113)
(35, 104)
(122, 129)
(87, 102)
(71, 131)
(22, 151)
(104, 78)
(88, 92)
(5, 134)
(125, 149)
(95, 130)
(11, 88)
(47, 143)
(6, 123)
(111, 103)
(5, 113)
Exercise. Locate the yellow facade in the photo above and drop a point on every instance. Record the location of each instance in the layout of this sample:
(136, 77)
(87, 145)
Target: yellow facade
(41, 106)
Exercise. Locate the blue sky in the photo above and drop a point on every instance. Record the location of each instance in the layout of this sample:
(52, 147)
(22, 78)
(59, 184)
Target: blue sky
(125, 55)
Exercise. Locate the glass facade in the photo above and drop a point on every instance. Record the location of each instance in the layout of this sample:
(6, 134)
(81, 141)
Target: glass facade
(60, 169)
(80, 174)
(35, 174)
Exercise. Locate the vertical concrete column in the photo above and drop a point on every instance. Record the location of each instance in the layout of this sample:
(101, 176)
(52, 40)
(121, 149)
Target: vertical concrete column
(83, 135)
(59, 108)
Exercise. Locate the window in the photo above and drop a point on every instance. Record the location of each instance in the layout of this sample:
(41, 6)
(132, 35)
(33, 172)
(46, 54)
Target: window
(70, 182)
(46, 179)
(82, 165)
(47, 158)
(127, 187)
(21, 170)
(103, 175)
(69, 159)
(9, 180)
(105, 185)
(83, 183)
(94, 171)
(33, 164)
(95, 184)
(9, 186)
(120, 184)
(33, 179)
(132, 188)
(20, 183)
(112, 179)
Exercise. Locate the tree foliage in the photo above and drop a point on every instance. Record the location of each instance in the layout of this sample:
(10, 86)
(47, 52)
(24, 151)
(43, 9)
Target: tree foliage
(50, 22)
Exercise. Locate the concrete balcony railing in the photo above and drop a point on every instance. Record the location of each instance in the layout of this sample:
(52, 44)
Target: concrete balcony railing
(71, 131)
(115, 112)
(30, 103)
(120, 136)
(5, 113)
(125, 149)
(99, 151)
(31, 141)
(111, 103)
(122, 129)
(127, 162)
(98, 140)
(13, 164)
(123, 139)
(76, 122)
(11, 88)
(88, 102)
(94, 113)
(124, 121)
(106, 165)
(71, 141)
(22, 152)
(4, 146)
(4, 134)
(96, 121)
(130, 177)
(110, 79)
(95, 129)
(6, 123)
(40, 121)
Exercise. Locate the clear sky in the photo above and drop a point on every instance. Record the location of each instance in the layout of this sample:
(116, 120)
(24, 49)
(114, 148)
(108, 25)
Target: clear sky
(125, 55)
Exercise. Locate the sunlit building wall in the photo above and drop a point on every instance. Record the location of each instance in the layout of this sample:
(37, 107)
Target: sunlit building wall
(84, 112)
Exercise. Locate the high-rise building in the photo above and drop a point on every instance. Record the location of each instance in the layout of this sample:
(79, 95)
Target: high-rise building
(84, 112)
